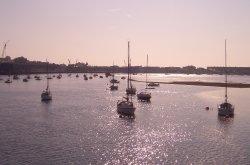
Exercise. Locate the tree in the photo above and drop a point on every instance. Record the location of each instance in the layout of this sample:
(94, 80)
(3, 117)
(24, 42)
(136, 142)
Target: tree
(20, 60)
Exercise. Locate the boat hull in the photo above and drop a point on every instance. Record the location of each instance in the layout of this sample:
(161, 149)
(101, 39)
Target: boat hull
(46, 96)
(144, 96)
(125, 108)
(113, 87)
(225, 109)
(131, 91)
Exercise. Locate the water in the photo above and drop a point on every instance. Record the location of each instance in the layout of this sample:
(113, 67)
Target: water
(80, 125)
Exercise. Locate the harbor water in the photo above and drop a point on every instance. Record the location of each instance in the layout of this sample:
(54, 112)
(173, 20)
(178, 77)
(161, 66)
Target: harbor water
(81, 126)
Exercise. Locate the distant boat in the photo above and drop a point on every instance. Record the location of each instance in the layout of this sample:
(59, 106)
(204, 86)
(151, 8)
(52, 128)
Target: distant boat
(38, 78)
(85, 77)
(145, 95)
(113, 81)
(46, 94)
(59, 76)
(130, 89)
(8, 81)
(107, 74)
(123, 77)
(25, 80)
(100, 76)
(153, 84)
(225, 108)
(77, 75)
(15, 77)
(125, 107)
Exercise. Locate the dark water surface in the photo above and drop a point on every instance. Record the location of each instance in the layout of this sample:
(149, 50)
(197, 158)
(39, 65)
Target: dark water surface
(80, 125)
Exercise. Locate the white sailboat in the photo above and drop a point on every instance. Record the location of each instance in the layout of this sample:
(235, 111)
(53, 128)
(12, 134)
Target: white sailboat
(130, 89)
(46, 94)
(145, 95)
(225, 108)
(125, 107)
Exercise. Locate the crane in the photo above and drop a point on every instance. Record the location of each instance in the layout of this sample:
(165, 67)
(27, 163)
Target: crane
(4, 49)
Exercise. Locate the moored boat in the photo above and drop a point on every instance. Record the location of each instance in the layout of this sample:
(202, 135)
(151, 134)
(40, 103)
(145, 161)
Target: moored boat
(226, 108)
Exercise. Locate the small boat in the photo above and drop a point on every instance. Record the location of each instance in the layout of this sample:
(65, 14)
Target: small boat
(113, 81)
(95, 75)
(15, 77)
(107, 74)
(25, 80)
(38, 78)
(90, 77)
(85, 77)
(130, 89)
(59, 76)
(123, 77)
(28, 77)
(145, 95)
(125, 107)
(8, 81)
(46, 94)
(100, 76)
(225, 109)
(153, 84)
(77, 75)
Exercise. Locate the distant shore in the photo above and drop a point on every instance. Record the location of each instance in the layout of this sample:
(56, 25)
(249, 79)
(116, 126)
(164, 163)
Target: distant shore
(202, 83)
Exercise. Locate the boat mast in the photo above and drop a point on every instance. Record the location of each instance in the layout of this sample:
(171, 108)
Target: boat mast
(113, 74)
(226, 71)
(128, 67)
(47, 75)
(147, 72)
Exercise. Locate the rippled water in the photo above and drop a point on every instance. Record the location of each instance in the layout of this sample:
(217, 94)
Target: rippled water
(80, 125)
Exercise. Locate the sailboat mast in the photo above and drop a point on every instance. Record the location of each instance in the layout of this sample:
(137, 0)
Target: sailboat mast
(226, 71)
(128, 67)
(47, 75)
(113, 74)
(147, 72)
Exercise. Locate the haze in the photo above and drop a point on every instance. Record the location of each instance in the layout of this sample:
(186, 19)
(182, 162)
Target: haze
(171, 32)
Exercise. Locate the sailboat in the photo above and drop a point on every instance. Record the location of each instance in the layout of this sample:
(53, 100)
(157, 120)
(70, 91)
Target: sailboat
(8, 81)
(145, 95)
(113, 81)
(130, 89)
(125, 107)
(225, 108)
(46, 94)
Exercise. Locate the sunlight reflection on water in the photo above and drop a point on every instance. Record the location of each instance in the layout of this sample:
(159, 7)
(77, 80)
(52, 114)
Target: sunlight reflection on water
(80, 125)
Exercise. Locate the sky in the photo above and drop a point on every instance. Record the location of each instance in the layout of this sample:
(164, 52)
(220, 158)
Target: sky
(172, 32)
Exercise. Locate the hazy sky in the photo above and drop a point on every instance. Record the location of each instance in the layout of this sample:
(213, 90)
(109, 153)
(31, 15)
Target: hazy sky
(171, 32)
